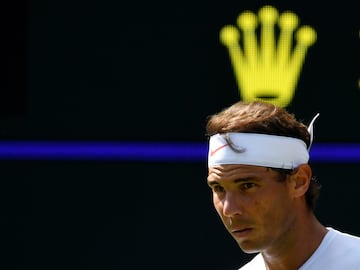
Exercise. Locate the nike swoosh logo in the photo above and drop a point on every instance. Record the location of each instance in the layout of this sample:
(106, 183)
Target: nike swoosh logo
(212, 152)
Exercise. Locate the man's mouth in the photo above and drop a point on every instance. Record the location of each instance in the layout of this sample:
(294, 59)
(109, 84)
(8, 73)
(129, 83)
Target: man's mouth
(239, 233)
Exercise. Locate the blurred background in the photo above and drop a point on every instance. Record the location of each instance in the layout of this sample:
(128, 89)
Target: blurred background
(83, 80)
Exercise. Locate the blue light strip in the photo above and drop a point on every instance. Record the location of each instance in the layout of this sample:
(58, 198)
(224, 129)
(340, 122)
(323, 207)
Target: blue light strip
(332, 152)
(147, 151)
(79, 150)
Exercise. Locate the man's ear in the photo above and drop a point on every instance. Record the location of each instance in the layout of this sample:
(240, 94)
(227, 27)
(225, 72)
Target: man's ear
(300, 180)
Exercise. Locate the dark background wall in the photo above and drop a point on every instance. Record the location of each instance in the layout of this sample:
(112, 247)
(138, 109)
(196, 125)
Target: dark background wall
(151, 72)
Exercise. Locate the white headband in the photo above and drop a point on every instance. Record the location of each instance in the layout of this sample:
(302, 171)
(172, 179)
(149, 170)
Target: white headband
(257, 149)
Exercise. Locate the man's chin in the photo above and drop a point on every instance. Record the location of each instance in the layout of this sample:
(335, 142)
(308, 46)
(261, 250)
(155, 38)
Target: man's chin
(249, 248)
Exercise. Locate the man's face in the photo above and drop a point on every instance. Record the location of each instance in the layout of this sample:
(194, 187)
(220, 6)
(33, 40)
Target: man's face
(255, 207)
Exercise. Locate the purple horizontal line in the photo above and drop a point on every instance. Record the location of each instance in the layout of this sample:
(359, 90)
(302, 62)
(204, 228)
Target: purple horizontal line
(78, 150)
(335, 152)
(147, 151)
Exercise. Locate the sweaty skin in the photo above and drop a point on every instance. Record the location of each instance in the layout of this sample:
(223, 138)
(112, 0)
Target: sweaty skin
(264, 214)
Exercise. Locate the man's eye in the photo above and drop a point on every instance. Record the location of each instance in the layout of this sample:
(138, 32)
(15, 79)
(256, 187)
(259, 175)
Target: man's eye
(248, 185)
(218, 189)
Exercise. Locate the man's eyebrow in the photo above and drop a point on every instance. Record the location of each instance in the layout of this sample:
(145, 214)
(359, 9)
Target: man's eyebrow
(212, 183)
(245, 179)
(238, 180)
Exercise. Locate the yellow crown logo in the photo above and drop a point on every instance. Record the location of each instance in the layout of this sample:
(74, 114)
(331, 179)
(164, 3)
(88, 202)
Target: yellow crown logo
(269, 69)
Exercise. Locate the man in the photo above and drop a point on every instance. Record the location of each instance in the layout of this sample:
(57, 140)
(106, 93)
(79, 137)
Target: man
(265, 194)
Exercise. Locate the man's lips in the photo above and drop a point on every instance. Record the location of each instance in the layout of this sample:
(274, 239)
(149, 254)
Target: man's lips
(239, 233)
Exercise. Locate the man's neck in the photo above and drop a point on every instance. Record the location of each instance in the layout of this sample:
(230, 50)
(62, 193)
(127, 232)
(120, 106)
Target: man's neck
(297, 248)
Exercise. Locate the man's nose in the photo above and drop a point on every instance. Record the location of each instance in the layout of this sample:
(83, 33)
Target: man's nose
(232, 204)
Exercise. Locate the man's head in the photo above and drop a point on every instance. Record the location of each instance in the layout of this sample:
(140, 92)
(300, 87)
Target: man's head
(257, 117)
(251, 119)
(258, 172)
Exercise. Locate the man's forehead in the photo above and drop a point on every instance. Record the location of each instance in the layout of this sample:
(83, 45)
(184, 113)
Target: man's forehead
(218, 172)
(237, 167)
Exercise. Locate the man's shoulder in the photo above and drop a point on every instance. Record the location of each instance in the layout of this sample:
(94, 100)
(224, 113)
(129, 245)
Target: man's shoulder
(338, 250)
(345, 240)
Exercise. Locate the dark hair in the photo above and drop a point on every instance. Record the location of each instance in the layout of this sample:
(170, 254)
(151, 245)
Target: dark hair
(265, 118)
